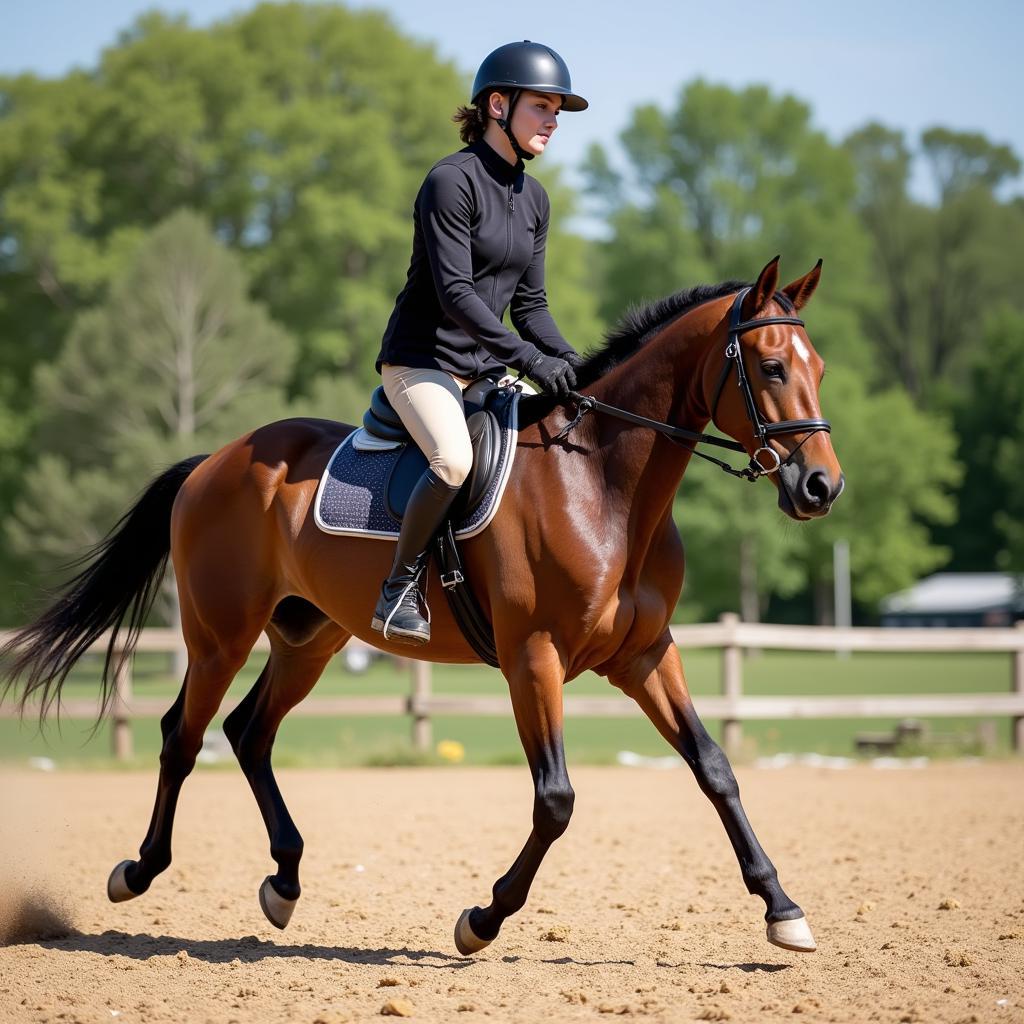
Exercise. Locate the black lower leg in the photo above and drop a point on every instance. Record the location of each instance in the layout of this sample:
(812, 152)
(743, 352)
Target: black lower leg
(286, 844)
(252, 742)
(552, 809)
(715, 777)
(175, 766)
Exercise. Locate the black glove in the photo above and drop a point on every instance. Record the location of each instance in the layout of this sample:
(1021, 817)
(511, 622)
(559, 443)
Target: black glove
(553, 374)
(574, 359)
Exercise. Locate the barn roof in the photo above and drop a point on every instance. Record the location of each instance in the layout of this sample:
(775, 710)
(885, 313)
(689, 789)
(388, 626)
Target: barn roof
(957, 592)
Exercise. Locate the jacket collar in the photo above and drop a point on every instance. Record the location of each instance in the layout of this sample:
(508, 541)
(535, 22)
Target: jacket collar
(497, 166)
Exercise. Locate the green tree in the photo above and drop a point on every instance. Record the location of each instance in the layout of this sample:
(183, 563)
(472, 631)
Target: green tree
(720, 183)
(989, 417)
(935, 269)
(178, 360)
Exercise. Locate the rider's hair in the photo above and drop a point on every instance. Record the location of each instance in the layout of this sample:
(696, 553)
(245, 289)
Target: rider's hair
(472, 122)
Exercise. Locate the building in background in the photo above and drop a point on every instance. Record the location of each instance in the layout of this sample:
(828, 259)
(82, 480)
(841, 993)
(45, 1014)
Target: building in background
(957, 599)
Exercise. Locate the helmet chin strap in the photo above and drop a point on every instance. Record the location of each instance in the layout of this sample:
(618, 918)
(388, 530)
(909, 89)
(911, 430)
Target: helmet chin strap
(505, 123)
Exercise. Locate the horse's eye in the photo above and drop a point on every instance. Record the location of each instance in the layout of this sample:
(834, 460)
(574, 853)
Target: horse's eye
(773, 370)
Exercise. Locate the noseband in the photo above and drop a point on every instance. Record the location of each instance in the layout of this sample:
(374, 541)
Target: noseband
(762, 429)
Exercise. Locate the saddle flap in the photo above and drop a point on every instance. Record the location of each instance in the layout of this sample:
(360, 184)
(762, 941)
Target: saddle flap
(485, 435)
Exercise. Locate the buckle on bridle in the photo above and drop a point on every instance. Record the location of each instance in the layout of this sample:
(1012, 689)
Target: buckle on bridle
(760, 469)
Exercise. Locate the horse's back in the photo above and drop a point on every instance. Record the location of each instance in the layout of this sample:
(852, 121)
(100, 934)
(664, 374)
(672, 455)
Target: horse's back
(240, 482)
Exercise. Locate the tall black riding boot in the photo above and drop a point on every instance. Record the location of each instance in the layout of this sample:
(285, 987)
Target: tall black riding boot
(397, 614)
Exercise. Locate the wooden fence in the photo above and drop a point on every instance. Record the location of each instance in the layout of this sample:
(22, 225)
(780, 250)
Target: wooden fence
(733, 707)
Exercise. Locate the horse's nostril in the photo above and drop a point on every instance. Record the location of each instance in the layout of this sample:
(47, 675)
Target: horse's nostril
(816, 487)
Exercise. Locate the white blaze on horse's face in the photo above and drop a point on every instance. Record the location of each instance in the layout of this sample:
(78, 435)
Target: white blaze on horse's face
(800, 348)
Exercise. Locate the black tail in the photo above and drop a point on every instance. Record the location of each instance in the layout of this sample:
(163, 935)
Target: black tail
(121, 581)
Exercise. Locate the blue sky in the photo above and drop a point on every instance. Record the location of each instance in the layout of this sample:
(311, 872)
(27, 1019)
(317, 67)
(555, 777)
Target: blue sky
(907, 63)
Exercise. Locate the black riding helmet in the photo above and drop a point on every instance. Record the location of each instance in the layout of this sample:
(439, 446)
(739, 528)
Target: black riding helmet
(525, 65)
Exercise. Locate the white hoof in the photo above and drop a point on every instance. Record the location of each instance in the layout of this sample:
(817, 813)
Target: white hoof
(117, 885)
(467, 942)
(795, 935)
(277, 909)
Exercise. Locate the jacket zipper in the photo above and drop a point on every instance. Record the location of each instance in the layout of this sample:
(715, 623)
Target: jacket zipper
(508, 243)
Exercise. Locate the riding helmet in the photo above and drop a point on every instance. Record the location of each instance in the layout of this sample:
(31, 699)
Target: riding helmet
(527, 65)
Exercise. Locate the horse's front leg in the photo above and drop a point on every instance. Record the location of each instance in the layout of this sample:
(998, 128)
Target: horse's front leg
(535, 684)
(656, 682)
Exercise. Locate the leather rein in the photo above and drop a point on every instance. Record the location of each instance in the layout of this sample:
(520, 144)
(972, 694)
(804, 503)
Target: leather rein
(762, 429)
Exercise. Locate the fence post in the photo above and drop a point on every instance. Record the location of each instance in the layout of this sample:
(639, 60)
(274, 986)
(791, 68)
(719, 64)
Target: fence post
(732, 683)
(422, 733)
(121, 732)
(1017, 737)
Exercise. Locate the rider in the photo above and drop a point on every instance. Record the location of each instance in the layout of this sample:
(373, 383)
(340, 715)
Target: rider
(480, 230)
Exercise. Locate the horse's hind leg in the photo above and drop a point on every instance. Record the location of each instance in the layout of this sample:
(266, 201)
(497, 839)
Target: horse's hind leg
(656, 682)
(290, 673)
(213, 662)
(536, 689)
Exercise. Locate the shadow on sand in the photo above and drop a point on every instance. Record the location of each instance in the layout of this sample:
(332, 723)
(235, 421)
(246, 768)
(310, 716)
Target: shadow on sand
(247, 949)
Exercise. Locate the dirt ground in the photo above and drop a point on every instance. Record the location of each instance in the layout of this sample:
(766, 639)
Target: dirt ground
(911, 880)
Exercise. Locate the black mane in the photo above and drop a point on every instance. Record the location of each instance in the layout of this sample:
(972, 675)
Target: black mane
(638, 325)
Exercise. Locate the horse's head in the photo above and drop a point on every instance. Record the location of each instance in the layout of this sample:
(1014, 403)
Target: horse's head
(763, 392)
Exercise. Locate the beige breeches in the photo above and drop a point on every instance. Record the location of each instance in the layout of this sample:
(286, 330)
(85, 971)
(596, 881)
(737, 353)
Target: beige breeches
(429, 403)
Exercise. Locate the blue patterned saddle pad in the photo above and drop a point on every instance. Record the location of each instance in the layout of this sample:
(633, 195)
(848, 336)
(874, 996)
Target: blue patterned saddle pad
(352, 498)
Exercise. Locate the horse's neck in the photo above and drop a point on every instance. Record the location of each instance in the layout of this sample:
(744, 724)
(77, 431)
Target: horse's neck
(642, 468)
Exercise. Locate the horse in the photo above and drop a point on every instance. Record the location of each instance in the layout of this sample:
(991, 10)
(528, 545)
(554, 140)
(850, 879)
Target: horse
(580, 569)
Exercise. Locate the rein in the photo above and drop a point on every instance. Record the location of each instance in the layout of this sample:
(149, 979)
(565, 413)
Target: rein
(763, 430)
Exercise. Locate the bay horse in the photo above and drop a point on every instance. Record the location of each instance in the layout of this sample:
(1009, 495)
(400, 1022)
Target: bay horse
(580, 569)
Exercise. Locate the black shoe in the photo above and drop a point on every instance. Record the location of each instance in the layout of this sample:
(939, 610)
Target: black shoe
(397, 614)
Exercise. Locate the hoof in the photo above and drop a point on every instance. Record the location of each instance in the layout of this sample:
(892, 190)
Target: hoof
(795, 935)
(277, 909)
(117, 884)
(467, 942)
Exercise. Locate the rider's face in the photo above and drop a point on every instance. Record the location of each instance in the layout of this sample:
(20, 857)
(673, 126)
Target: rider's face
(534, 120)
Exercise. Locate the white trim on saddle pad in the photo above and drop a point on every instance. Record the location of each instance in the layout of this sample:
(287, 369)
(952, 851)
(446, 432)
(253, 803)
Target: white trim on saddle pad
(357, 442)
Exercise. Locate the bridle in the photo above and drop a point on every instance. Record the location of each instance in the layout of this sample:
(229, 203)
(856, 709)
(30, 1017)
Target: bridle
(762, 429)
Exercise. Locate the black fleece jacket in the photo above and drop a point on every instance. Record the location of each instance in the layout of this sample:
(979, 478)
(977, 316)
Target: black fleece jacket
(480, 229)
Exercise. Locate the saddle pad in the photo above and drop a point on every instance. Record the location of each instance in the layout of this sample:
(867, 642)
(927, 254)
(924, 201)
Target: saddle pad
(352, 500)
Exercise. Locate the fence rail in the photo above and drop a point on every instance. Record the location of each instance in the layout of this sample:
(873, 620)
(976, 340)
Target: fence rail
(732, 706)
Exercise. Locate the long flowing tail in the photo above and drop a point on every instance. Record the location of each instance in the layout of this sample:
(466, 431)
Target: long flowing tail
(120, 581)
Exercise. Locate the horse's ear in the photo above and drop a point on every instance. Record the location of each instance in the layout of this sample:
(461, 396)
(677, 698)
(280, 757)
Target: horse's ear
(801, 290)
(758, 296)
